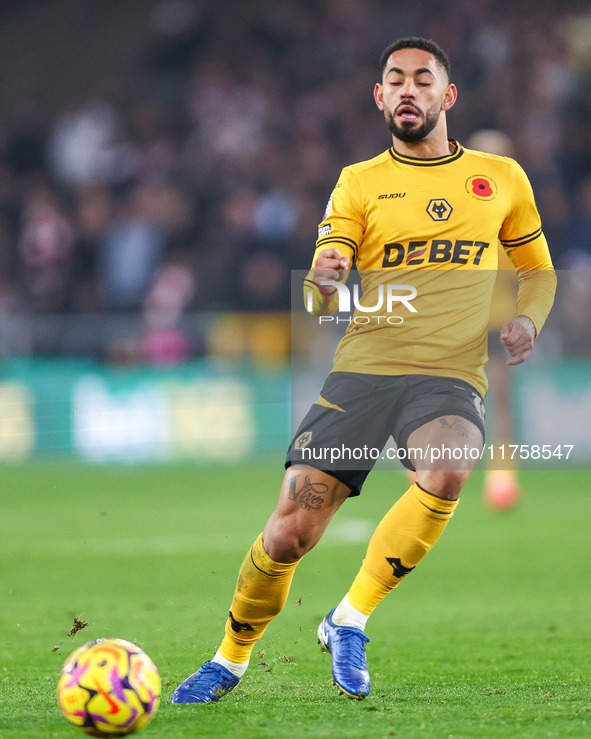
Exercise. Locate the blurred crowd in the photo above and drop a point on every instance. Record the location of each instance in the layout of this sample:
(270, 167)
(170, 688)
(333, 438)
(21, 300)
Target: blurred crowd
(199, 185)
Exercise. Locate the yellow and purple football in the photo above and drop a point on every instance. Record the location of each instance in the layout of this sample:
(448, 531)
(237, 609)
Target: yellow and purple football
(109, 688)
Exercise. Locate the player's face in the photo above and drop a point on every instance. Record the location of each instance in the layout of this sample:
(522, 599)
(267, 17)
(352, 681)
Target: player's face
(413, 94)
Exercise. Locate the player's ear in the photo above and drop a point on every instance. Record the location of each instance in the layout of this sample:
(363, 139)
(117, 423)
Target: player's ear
(450, 97)
(378, 95)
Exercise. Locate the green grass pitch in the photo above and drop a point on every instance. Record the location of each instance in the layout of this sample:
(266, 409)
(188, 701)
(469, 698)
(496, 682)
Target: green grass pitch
(489, 637)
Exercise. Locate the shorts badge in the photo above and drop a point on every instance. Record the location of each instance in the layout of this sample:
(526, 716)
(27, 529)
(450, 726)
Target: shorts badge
(303, 440)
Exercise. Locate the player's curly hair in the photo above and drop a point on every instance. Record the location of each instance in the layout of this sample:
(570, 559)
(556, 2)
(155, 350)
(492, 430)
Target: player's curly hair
(415, 42)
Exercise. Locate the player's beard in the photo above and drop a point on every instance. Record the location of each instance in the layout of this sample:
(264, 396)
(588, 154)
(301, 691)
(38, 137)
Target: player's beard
(407, 133)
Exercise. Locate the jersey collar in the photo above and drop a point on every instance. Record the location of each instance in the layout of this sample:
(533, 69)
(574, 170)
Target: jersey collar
(417, 162)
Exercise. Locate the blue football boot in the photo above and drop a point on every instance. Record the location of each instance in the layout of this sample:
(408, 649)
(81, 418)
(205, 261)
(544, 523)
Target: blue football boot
(346, 644)
(207, 685)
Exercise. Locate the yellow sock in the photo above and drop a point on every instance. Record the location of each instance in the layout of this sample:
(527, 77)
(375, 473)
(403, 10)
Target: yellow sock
(403, 537)
(261, 591)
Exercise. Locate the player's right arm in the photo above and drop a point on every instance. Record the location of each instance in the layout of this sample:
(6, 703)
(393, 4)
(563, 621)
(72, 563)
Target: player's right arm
(340, 234)
(329, 264)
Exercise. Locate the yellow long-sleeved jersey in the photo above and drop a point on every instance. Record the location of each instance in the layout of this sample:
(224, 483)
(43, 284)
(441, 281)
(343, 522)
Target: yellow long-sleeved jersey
(433, 225)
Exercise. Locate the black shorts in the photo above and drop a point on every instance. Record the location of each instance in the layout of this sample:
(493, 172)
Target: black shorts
(356, 414)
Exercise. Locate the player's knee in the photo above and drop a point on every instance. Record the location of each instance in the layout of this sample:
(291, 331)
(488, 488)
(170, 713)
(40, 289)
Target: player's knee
(300, 545)
(288, 545)
(443, 483)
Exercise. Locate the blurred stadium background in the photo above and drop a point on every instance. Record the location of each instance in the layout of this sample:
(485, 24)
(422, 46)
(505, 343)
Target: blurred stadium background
(164, 165)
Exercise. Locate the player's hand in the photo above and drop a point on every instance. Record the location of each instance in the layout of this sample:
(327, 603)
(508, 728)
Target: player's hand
(330, 265)
(518, 338)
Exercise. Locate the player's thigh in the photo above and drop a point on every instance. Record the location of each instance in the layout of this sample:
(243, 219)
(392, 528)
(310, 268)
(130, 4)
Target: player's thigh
(449, 442)
(444, 452)
(440, 424)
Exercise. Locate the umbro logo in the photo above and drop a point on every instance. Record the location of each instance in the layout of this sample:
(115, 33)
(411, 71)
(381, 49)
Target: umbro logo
(391, 195)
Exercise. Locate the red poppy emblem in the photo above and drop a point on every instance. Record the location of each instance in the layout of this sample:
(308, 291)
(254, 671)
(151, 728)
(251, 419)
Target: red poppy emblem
(481, 187)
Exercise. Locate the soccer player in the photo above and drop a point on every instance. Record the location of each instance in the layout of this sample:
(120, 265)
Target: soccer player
(429, 210)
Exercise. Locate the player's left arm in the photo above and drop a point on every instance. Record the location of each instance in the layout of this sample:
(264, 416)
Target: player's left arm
(518, 337)
(524, 242)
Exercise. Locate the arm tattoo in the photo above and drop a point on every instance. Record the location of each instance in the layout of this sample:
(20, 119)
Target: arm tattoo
(309, 496)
